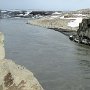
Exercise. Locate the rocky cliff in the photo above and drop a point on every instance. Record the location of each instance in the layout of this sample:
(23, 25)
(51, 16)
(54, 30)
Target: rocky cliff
(84, 28)
(13, 76)
(83, 32)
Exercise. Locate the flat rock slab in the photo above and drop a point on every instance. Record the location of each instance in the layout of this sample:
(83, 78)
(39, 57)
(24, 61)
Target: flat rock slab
(16, 77)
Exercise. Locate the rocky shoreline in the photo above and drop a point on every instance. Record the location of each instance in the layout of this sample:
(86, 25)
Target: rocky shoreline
(14, 76)
(83, 33)
(64, 31)
(80, 34)
(57, 24)
(48, 22)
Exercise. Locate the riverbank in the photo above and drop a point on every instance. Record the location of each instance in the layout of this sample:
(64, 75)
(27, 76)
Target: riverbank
(14, 76)
(51, 56)
(57, 24)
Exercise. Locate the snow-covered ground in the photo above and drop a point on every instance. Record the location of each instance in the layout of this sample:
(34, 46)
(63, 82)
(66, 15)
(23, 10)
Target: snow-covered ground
(56, 13)
(80, 15)
(53, 17)
(27, 13)
(76, 22)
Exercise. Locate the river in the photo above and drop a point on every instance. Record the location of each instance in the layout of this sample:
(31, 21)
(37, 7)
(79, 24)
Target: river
(58, 63)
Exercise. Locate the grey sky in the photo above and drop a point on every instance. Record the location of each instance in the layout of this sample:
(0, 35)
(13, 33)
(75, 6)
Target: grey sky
(45, 4)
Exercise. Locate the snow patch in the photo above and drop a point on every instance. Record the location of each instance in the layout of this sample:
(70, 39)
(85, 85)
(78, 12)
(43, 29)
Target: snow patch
(75, 23)
(56, 13)
(53, 17)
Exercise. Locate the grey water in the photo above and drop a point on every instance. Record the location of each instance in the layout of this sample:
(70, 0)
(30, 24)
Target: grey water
(56, 62)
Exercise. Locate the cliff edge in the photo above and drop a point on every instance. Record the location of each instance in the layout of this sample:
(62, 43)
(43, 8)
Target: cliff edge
(83, 32)
(13, 76)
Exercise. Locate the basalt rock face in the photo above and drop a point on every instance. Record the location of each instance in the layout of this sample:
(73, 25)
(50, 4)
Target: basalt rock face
(84, 28)
(13, 76)
(83, 33)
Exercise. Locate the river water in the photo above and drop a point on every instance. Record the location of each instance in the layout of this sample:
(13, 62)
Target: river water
(58, 63)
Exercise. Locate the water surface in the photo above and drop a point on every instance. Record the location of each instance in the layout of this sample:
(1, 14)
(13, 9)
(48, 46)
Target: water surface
(58, 63)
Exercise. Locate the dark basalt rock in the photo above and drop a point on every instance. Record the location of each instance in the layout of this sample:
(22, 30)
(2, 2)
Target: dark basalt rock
(83, 33)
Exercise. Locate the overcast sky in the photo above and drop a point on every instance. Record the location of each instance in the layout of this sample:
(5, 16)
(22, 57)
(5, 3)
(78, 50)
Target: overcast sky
(45, 4)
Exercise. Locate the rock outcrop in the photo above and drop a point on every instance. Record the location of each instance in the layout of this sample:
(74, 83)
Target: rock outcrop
(13, 76)
(84, 28)
(2, 51)
(83, 33)
(16, 77)
(49, 22)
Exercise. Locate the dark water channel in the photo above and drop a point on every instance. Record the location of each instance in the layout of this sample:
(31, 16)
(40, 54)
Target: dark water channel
(58, 63)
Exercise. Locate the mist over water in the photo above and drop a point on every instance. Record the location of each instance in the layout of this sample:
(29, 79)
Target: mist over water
(58, 63)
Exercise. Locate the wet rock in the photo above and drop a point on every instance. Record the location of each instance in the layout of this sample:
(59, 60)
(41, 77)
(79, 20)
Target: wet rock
(71, 37)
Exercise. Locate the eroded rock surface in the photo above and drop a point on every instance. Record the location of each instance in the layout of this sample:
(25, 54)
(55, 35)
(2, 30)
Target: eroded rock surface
(16, 77)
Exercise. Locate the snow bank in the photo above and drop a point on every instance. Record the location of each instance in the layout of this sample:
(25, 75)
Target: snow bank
(75, 23)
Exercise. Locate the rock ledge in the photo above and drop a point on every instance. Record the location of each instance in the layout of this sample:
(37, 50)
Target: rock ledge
(13, 76)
